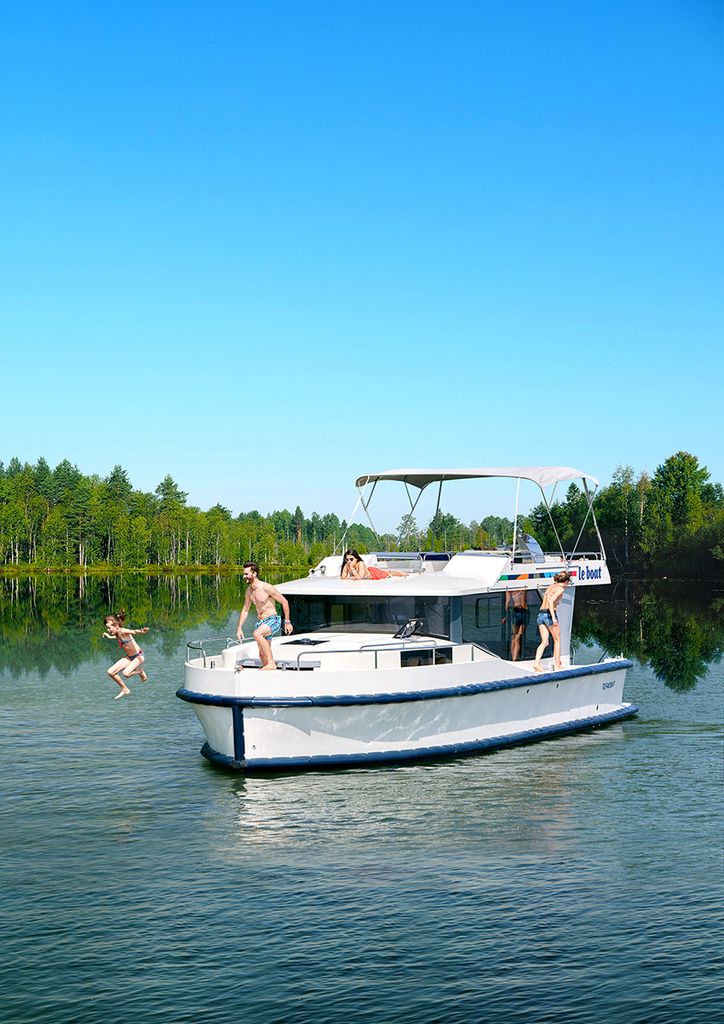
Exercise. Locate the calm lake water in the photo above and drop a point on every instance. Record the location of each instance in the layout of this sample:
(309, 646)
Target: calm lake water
(577, 879)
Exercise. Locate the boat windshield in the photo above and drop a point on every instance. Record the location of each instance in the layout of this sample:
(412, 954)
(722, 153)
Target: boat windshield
(363, 615)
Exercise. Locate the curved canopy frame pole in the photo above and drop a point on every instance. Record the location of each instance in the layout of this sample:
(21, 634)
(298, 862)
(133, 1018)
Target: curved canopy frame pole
(550, 516)
(360, 501)
(351, 517)
(585, 520)
(413, 505)
(439, 496)
(515, 520)
(590, 497)
(365, 506)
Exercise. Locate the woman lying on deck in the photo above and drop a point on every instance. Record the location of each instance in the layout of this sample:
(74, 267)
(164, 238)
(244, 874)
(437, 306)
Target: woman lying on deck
(353, 568)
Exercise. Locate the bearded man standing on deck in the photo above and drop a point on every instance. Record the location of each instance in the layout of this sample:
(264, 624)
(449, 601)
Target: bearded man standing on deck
(268, 623)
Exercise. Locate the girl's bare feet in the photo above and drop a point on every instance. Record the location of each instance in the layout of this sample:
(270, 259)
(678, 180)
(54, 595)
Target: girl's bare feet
(143, 676)
(537, 668)
(124, 693)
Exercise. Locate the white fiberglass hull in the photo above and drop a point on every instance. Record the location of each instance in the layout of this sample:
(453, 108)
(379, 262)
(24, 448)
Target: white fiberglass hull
(287, 730)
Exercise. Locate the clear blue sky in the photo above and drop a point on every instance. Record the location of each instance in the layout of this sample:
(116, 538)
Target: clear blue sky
(268, 246)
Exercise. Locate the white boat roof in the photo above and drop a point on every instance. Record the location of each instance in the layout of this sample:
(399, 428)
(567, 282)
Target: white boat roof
(471, 578)
(544, 476)
(434, 584)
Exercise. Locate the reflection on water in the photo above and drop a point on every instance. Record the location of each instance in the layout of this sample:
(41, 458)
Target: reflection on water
(417, 804)
(55, 622)
(677, 629)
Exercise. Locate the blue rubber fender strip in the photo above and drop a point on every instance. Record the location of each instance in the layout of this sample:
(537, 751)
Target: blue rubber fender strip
(346, 700)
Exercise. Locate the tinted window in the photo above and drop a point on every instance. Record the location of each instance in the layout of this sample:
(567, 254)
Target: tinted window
(413, 659)
(511, 632)
(362, 615)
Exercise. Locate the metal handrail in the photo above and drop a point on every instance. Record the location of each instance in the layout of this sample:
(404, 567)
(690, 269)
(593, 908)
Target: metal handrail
(381, 648)
(414, 645)
(198, 645)
(568, 556)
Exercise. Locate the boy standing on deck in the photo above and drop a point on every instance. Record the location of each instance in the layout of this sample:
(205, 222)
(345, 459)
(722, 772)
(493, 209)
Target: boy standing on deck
(268, 623)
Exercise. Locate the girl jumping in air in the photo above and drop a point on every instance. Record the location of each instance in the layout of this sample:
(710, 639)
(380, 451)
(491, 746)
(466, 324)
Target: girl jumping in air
(131, 663)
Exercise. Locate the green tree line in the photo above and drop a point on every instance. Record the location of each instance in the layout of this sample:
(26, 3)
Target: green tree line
(670, 522)
(62, 518)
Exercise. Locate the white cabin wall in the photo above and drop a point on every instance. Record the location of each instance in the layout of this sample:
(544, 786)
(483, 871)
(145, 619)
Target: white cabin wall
(565, 618)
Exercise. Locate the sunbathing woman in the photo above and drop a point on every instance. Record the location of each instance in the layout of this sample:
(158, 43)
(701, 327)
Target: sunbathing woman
(132, 661)
(353, 568)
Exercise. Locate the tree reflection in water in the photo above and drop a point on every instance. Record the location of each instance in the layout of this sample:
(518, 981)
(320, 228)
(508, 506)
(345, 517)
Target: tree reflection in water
(55, 622)
(675, 628)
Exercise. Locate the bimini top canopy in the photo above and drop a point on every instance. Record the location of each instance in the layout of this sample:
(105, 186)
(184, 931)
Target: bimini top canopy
(544, 476)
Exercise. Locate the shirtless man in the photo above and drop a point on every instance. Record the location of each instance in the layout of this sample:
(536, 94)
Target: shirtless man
(548, 619)
(516, 605)
(268, 623)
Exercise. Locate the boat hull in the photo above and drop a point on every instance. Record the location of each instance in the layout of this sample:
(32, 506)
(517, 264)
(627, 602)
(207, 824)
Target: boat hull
(281, 733)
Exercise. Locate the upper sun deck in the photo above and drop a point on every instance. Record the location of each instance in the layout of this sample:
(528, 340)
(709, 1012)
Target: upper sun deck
(445, 574)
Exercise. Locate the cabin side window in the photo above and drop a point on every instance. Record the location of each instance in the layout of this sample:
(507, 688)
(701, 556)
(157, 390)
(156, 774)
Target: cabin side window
(509, 631)
(361, 615)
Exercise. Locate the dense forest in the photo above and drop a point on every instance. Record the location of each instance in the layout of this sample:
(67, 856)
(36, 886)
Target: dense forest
(62, 519)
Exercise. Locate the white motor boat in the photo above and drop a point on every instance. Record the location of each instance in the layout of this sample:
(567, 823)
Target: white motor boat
(437, 662)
